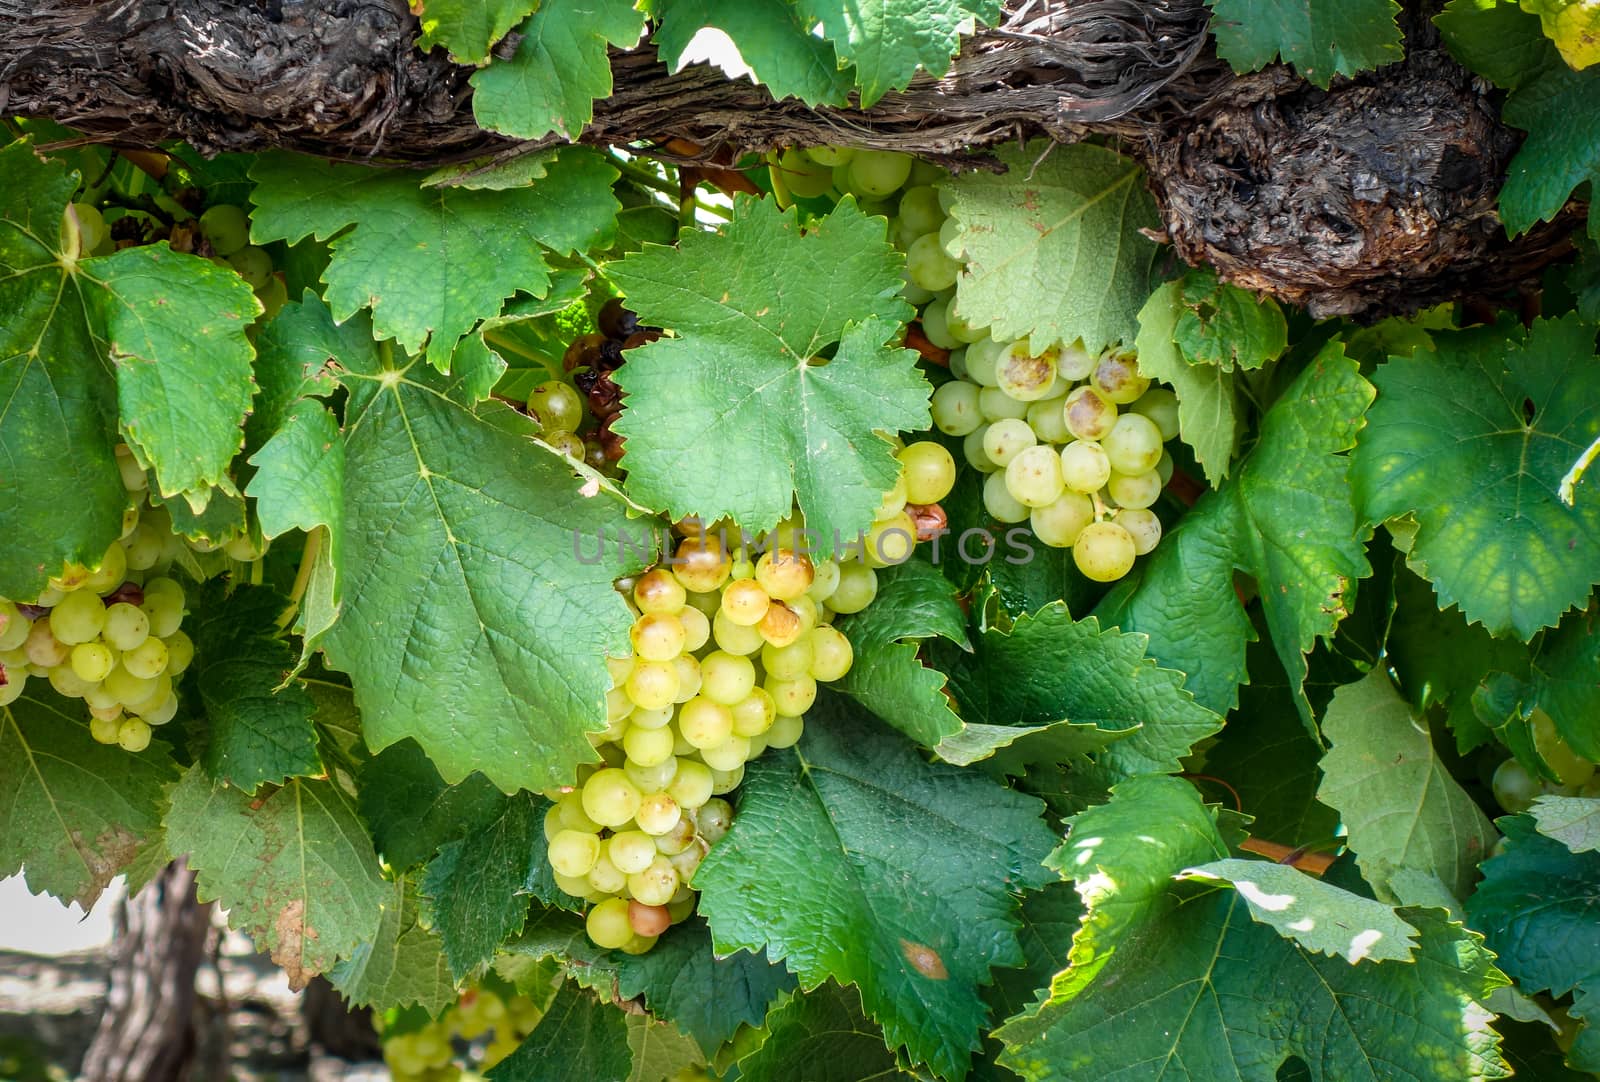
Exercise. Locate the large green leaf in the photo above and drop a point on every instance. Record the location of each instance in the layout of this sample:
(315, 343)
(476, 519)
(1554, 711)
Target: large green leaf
(1226, 326)
(772, 39)
(468, 624)
(737, 413)
(1506, 412)
(1075, 680)
(294, 867)
(579, 1039)
(258, 731)
(431, 262)
(560, 68)
(889, 40)
(1563, 679)
(403, 964)
(914, 601)
(1053, 247)
(467, 28)
(1560, 110)
(821, 1036)
(1574, 821)
(1494, 38)
(1169, 980)
(74, 813)
(412, 812)
(480, 886)
(1536, 908)
(816, 871)
(1321, 38)
(1287, 519)
(1208, 402)
(1403, 810)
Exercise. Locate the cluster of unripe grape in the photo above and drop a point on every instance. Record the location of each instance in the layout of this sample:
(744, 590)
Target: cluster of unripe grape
(480, 1030)
(557, 406)
(109, 635)
(1515, 788)
(225, 228)
(727, 652)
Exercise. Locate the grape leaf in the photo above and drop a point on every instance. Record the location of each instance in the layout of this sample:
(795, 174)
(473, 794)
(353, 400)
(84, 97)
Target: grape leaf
(465, 518)
(1050, 670)
(1053, 247)
(1049, 917)
(479, 887)
(914, 601)
(1566, 680)
(258, 733)
(294, 867)
(1560, 110)
(888, 40)
(1494, 38)
(1226, 326)
(579, 1039)
(412, 812)
(659, 1051)
(1399, 803)
(1321, 38)
(1315, 914)
(1574, 27)
(403, 963)
(468, 28)
(1287, 519)
(1232, 998)
(296, 355)
(1508, 411)
(916, 928)
(76, 813)
(1574, 821)
(821, 1036)
(431, 262)
(736, 414)
(1536, 909)
(1208, 403)
(772, 39)
(559, 69)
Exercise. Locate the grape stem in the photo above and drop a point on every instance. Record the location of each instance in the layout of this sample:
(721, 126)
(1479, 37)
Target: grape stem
(302, 578)
(1570, 482)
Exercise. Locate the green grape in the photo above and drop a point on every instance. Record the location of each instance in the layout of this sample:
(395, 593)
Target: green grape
(928, 266)
(1059, 524)
(79, 617)
(157, 695)
(735, 638)
(147, 660)
(253, 264)
(876, 173)
(731, 754)
(704, 723)
(126, 627)
(728, 678)
(920, 211)
(133, 475)
(658, 718)
(713, 820)
(14, 627)
(1514, 788)
(1034, 476)
(788, 662)
(1116, 376)
(994, 405)
(1089, 416)
(133, 735)
(225, 228)
(658, 813)
(930, 471)
(889, 541)
(555, 407)
(1134, 490)
(792, 698)
(1134, 444)
(1161, 406)
(974, 454)
(691, 786)
(831, 654)
(91, 227)
(648, 747)
(825, 581)
(569, 444)
(784, 574)
(785, 732)
(618, 707)
(657, 637)
(1165, 467)
(165, 712)
(573, 817)
(894, 501)
(573, 852)
(143, 547)
(180, 651)
(955, 408)
(754, 714)
(44, 649)
(912, 293)
(1006, 439)
(610, 798)
(1085, 466)
(92, 662)
(858, 585)
(803, 175)
(745, 602)
(631, 851)
(1024, 375)
(1570, 768)
(68, 683)
(688, 677)
(163, 604)
(950, 238)
(110, 573)
(960, 329)
(999, 502)
(273, 296)
(104, 730)
(935, 323)
(1143, 526)
(726, 781)
(604, 878)
(1104, 551)
(608, 925)
(653, 684)
(656, 884)
(830, 156)
(982, 357)
(1048, 420)
(16, 681)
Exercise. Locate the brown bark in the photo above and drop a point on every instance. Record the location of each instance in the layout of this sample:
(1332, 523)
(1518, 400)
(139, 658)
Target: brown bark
(1373, 197)
(150, 1031)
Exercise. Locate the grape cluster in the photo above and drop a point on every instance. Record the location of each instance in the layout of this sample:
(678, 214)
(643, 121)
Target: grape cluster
(1515, 788)
(110, 635)
(726, 656)
(480, 1030)
(558, 409)
(225, 228)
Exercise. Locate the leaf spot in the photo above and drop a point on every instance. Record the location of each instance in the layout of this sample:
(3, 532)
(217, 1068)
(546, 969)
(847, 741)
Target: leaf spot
(925, 960)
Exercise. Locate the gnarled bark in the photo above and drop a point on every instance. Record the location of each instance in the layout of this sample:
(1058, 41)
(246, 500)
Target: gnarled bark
(1376, 196)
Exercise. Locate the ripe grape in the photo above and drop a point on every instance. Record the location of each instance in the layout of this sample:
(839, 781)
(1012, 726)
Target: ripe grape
(610, 798)
(1085, 466)
(785, 662)
(573, 852)
(831, 654)
(1089, 415)
(735, 638)
(889, 541)
(1007, 438)
(127, 627)
(656, 884)
(147, 660)
(91, 661)
(704, 723)
(79, 617)
(1034, 476)
(658, 592)
(1048, 420)
(955, 408)
(631, 851)
(648, 920)
(781, 625)
(43, 648)
(755, 713)
(785, 732)
(930, 471)
(928, 266)
(792, 698)
(1059, 524)
(728, 755)
(825, 582)
(701, 564)
(1161, 406)
(133, 735)
(1134, 444)
(894, 501)
(995, 404)
(657, 637)
(556, 407)
(1136, 490)
(784, 574)
(802, 174)
(1117, 378)
(689, 678)
(1104, 551)
(608, 924)
(982, 358)
(692, 785)
(1023, 374)
(728, 678)
(1144, 526)
(14, 627)
(653, 684)
(745, 602)
(876, 173)
(999, 502)
(696, 628)
(658, 813)
(1075, 363)
(648, 747)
